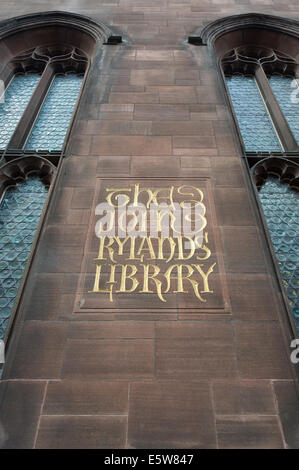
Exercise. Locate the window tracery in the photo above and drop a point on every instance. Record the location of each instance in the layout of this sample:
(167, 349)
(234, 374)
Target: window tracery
(257, 56)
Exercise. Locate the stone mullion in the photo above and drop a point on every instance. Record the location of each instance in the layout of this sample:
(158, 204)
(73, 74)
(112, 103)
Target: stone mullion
(22, 131)
(282, 127)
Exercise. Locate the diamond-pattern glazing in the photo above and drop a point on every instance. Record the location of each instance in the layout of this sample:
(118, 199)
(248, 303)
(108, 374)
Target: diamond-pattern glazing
(281, 208)
(254, 122)
(288, 99)
(55, 115)
(16, 98)
(20, 211)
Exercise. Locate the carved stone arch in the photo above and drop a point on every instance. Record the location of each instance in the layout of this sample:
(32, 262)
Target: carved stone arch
(29, 42)
(18, 169)
(254, 38)
(286, 170)
(262, 30)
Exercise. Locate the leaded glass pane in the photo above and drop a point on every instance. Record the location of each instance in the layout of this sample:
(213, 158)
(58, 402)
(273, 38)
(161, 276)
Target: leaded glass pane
(281, 208)
(16, 98)
(287, 97)
(254, 122)
(20, 211)
(54, 118)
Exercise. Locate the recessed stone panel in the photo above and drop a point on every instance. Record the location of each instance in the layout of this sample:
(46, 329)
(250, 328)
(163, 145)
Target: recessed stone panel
(153, 244)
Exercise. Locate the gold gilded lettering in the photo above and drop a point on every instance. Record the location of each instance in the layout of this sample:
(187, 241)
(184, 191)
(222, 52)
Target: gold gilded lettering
(153, 195)
(181, 249)
(96, 286)
(170, 221)
(121, 244)
(113, 192)
(147, 276)
(205, 276)
(137, 193)
(157, 198)
(108, 246)
(180, 277)
(132, 251)
(172, 245)
(206, 249)
(138, 220)
(194, 218)
(149, 248)
(194, 193)
(125, 276)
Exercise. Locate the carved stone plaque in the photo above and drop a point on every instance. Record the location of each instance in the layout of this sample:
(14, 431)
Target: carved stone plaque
(153, 244)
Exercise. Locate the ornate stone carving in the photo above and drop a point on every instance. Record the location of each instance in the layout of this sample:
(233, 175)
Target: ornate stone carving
(286, 170)
(62, 58)
(245, 60)
(18, 169)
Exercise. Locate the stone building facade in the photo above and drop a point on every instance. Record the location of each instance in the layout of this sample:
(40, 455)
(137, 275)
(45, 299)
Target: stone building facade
(143, 342)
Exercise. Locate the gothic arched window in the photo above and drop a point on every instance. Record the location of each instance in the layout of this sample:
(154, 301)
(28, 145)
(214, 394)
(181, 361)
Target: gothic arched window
(21, 207)
(277, 180)
(263, 90)
(258, 61)
(44, 63)
(40, 99)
